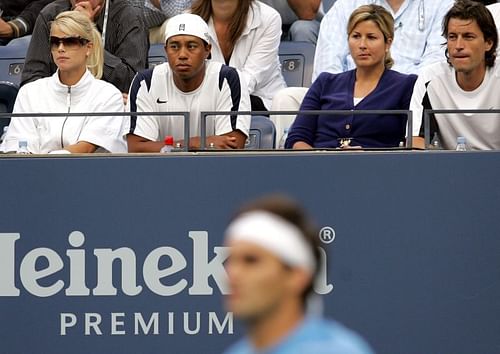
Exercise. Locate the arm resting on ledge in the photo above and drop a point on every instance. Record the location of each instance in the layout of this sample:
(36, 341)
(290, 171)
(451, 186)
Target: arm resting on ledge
(232, 140)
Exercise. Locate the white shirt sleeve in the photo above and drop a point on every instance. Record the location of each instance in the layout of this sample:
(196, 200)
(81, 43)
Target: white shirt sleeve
(107, 131)
(416, 104)
(146, 126)
(261, 63)
(419, 91)
(227, 101)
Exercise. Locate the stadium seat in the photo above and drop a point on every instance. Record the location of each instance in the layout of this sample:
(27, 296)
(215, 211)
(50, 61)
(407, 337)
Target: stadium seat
(327, 4)
(8, 94)
(262, 134)
(12, 58)
(156, 55)
(23, 41)
(297, 60)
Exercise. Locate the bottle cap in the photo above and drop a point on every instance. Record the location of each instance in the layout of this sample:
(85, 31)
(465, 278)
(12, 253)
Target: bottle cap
(460, 140)
(169, 140)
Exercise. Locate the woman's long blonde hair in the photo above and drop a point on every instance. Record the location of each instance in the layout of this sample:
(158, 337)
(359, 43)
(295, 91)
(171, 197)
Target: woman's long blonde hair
(382, 18)
(76, 23)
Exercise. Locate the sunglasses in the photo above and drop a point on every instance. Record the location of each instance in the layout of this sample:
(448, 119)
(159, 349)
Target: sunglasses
(68, 42)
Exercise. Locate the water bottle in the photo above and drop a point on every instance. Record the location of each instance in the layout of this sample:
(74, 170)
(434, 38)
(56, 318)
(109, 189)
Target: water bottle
(461, 144)
(23, 147)
(281, 144)
(169, 144)
(435, 144)
(177, 148)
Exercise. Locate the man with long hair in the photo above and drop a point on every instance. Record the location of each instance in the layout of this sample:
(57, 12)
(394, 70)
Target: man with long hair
(468, 79)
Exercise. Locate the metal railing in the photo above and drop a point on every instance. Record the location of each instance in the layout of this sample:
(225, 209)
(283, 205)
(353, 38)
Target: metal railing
(407, 113)
(184, 115)
(429, 112)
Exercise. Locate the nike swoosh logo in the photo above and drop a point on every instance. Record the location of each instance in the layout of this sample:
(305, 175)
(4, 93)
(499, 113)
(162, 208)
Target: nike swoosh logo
(160, 101)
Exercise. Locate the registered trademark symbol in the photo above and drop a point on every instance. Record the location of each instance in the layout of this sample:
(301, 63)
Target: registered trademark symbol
(327, 234)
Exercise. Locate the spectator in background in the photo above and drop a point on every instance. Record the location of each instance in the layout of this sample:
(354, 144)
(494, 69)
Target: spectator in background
(245, 34)
(124, 37)
(18, 18)
(153, 18)
(417, 39)
(495, 11)
(187, 83)
(300, 18)
(272, 263)
(76, 49)
(469, 79)
(372, 85)
(488, 2)
(417, 43)
(164, 9)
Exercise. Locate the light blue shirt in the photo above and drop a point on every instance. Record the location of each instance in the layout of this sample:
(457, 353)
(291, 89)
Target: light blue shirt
(313, 336)
(417, 37)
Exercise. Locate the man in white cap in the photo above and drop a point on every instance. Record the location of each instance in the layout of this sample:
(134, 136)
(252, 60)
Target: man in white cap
(272, 263)
(188, 83)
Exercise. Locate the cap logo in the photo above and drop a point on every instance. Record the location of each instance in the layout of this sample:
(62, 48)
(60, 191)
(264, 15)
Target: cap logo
(182, 27)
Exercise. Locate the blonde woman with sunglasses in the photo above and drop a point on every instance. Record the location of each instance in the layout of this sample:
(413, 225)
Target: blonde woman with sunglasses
(76, 49)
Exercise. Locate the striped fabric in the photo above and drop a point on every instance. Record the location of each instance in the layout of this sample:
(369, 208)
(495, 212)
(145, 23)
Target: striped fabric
(417, 39)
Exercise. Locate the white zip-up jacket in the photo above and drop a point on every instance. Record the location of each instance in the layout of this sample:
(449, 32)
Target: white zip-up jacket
(49, 95)
(255, 54)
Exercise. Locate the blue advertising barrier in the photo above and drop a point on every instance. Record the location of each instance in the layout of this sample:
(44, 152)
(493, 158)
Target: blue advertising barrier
(123, 254)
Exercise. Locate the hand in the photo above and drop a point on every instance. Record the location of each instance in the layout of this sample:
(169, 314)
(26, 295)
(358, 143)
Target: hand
(86, 8)
(5, 29)
(222, 142)
(349, 147)
(156, 3)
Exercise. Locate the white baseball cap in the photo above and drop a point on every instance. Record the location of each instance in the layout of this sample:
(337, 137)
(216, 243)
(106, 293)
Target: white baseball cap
(187, 24)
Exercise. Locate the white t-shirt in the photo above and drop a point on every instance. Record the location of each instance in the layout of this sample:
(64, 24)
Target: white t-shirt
(49, 95)
(482, 131)
(154, 90)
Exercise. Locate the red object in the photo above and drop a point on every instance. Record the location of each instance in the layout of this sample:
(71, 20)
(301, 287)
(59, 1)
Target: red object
(169, 140)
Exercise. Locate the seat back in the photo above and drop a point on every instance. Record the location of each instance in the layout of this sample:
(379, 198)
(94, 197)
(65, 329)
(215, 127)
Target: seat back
(262, 134)
(12, 58)
(8, 94)
(156, 55)
(297, 60)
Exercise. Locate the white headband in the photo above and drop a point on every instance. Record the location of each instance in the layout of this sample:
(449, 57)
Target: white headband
(274, 234)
